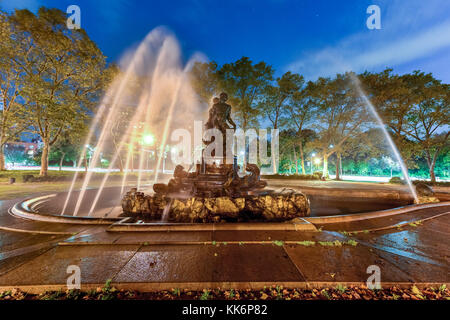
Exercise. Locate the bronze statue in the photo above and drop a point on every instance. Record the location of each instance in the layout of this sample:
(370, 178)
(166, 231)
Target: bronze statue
(220, 119)
(220, 114)
(214, 180)
(215, 192)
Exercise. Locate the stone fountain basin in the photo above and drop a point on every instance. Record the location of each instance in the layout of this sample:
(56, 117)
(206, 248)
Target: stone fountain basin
(322, 202)
(265, 205)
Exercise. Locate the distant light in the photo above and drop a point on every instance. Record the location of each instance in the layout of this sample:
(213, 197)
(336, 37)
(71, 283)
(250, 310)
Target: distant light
(148, 139)
(242, 153)
(317, 161)
(174, 149)
(313, 154)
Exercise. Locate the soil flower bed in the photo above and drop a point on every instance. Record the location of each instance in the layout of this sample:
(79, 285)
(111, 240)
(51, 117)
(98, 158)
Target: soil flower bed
(109, 292)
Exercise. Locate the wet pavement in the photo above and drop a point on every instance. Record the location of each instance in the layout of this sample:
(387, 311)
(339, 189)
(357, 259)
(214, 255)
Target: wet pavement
(412, 253)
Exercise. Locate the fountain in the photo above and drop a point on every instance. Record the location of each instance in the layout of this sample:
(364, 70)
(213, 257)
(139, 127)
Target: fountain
(215, 192)
(152, 97)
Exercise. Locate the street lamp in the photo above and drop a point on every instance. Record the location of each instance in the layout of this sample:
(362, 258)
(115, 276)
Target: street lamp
(311, 163)
(148, 139)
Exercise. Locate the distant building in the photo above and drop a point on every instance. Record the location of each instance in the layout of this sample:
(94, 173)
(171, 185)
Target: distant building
(31, 148)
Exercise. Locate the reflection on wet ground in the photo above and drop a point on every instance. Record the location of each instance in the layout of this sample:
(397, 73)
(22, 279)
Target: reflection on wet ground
(329, 206)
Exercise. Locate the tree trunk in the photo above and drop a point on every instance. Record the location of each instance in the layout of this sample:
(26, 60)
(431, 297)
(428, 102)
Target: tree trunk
(338, 166)
(2, 153)
(325, 166)
(296, 161)
(432, 175)
(2, 159)
(302, 158)
(431, 164)
(132, 161)
(44, 159)
(61, 161)
(120, 163)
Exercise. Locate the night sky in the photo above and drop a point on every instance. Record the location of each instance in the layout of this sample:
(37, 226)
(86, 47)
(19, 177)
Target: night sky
(313, 38)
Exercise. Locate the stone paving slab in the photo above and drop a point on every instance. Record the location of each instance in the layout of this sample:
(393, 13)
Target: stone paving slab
(208, 263)
(13, 240)
(8, 264)
(50, 268)
(140, 237)
(344, 263)
(254, 263)
(174, 263)
(264, 235)
(383, 222)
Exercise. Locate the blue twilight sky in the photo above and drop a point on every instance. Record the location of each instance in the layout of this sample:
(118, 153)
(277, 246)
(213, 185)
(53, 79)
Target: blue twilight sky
(311, 37)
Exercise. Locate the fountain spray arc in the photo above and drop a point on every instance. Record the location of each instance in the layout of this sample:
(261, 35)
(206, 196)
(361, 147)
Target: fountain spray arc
(380, 123)
(154, 85)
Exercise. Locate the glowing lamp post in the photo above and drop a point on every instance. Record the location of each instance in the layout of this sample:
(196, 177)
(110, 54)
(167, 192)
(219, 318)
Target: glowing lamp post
(148, 140)
(311, 163)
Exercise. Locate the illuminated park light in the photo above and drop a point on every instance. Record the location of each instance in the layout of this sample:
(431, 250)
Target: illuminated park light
(148, 139)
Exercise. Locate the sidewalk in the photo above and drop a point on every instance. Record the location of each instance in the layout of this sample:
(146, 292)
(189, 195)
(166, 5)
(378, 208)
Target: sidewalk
(224, 259)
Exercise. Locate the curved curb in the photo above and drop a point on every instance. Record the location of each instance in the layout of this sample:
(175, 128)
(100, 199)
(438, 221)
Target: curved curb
(353, 193)
(374, 214)
(403, 224)
(299, 224)
(25, 210)
(8, 229)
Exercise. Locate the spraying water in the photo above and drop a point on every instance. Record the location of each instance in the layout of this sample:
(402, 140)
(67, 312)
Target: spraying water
(152, 88)
(380, 123)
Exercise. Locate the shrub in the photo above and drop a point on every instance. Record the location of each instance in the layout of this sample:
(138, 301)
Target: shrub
(318, 174)
(396, 180)
(293, 176)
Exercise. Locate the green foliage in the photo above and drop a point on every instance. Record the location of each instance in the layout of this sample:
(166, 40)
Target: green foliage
(205, 295)
(306, 243)
(341, 288)
(278, 243)
(397, 180)
(64, 74)
(293, 176)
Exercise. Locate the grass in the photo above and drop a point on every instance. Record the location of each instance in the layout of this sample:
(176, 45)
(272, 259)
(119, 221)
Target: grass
(56, 181)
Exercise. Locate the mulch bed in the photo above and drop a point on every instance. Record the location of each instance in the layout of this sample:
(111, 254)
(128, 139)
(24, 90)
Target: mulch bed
(270, 293)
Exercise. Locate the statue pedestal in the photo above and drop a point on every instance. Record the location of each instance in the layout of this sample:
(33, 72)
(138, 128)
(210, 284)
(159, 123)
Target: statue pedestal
(265, 206)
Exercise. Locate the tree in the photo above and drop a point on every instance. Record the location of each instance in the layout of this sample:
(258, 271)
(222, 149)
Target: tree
(13, 120)
(67, 148)
(428, 116)
(65, 74)
(415, 109)
(301, 110)
(204, 80)
(275, 100)
(340, 114)
(15, 154)
(245, 82)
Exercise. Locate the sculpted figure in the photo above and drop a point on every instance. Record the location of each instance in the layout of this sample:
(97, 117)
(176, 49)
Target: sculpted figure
(220, 118)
